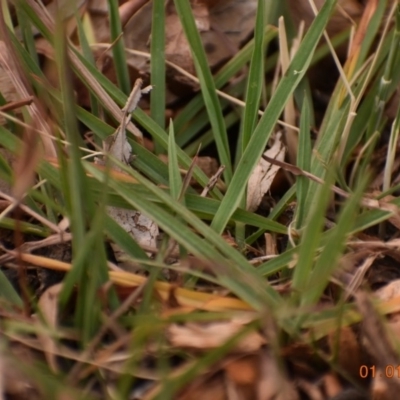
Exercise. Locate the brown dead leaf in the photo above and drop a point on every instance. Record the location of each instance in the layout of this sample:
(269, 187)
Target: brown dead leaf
(9, 158)
(128, 9)
(380, 387)
(378, 344)
(213, 388)
(242, 375)
(232, 21)
(375, 332)
(14, 384)
(243, 371)
(349, 355)
(26, 162)
(201, 13)
(332, 384)
(347, 13)
(274, 384)
(177, 49)
(368, 12)
(48, 306)
(9, 62)
(7, 88)
(246, 377)
(395, 218)
(29, 156)
(388, 292)
(208, 165)
(224, 25)
(310, 389)
(212, 335)
(263, 174)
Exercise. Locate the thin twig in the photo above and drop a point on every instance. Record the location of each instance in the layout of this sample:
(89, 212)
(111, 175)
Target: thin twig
(213, 181)
(370, 203)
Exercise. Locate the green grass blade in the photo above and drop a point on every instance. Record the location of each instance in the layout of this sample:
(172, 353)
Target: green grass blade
(27, 34)
(175, 179)
(87, 52)
(260, 137)
(146, 122)
(32, 14)
(311, 236)
(74, 179)
(229, 70)
(207, 138)
(255, 82)
(118, 49)
(8, 293)
(157, 65)
(160, 135)
(206, 208)
(149, 164)
(214, 248)
(207, 85)
(123, 239)
(304, 155)
(375, 24)
(88, 250)
(328, 260)
(385, 84)
(256, 78)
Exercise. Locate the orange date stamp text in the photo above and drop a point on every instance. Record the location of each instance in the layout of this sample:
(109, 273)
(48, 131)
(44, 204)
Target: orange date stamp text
(371, 371)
